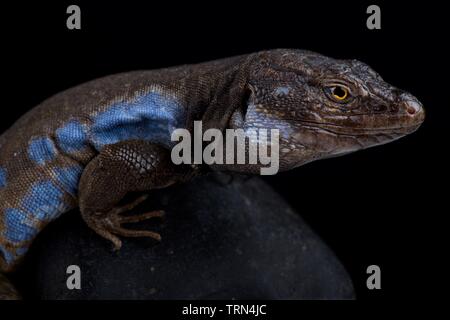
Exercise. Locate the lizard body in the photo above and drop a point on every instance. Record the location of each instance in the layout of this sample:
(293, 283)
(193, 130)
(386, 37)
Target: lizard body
(89, 146)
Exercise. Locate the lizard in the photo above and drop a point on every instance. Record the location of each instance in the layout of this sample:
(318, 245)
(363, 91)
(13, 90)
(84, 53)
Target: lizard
(91, 145)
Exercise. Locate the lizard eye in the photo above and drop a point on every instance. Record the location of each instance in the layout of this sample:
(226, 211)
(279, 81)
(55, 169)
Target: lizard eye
(338, 93)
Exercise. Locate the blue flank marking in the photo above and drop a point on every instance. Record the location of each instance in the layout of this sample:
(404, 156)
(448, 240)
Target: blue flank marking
(16, 229)
(41, 150)
(2, 177)
(151, 117)
(21, 251)
(47, 207)
(71, 137)
(69, 178)
(43, 203)
(9, 257)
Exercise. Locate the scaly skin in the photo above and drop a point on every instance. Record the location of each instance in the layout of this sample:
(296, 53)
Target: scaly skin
(91, 145)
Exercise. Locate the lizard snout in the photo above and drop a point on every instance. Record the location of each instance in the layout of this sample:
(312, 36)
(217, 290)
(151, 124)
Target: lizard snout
(413, 108)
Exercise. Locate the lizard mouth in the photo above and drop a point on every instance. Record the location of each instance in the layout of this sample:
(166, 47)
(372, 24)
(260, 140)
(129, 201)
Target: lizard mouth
(359, 131)
(338, 140)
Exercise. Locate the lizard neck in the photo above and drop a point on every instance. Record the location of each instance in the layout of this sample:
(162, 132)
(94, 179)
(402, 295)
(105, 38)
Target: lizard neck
(217, 89)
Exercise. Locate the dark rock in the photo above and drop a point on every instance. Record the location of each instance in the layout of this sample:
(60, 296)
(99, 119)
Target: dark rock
(221, 239)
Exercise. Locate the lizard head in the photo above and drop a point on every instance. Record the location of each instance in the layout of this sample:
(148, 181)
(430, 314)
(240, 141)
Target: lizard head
(323, 107)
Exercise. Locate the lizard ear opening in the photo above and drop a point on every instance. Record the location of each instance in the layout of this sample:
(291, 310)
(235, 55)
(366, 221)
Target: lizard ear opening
(247, 99)
(238, 117)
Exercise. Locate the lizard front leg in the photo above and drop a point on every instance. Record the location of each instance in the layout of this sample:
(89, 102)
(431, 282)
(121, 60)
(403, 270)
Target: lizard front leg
(121, 168)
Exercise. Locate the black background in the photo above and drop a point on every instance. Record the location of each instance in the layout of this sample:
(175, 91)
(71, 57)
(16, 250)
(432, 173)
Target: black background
(379, 206)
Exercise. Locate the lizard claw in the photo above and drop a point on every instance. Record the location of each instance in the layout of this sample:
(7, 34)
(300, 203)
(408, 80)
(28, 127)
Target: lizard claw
(109, 225)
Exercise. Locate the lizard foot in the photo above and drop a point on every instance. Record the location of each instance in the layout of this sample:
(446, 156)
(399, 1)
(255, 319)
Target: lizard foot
(109, 224)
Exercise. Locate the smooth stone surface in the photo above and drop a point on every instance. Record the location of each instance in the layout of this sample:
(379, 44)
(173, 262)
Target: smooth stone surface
(223, 238)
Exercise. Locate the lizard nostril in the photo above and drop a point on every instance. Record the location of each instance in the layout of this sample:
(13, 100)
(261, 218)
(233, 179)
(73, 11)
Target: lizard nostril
(411, 110)
(413, 107)
(411, 104)
(414, 110)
